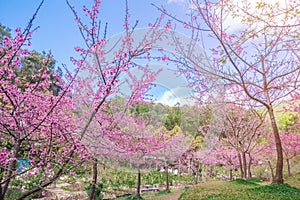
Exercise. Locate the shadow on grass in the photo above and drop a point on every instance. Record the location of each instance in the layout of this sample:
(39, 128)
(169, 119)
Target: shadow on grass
(246, 182)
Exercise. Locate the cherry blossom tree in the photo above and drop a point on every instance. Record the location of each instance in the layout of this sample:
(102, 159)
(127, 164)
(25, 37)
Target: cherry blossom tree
(124, 138)
(242, 130)
(260, 56)
(178, 144)
(224, 155)
(191, 158)
(238, 141)
(36, 125)
(291, 147)
(102, 67)
(36, 122)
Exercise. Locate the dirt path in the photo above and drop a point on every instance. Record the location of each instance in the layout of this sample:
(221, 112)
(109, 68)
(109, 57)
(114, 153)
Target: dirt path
(63, 194)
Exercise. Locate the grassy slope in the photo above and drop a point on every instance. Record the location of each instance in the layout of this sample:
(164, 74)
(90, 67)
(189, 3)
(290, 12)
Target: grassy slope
(244, 190)
(294, 180)
(173, 195)
(233, 190)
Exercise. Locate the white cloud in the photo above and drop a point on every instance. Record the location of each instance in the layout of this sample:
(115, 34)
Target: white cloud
(170, 99)
(167, 98)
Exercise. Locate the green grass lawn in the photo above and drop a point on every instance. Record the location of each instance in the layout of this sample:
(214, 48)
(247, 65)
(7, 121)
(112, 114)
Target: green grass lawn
(174, 194)
(244, 190)
(232, 190)
(294, 180)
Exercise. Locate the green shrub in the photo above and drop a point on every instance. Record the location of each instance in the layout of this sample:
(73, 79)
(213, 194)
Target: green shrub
(254, 180)
(244, 182)
(277, 189)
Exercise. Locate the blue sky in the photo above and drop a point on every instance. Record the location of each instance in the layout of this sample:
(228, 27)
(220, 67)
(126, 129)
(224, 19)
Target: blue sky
(58, 31)
(59, 34)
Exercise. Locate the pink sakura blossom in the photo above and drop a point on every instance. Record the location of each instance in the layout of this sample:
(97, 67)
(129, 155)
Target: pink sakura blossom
(258, 42)
(39, 126)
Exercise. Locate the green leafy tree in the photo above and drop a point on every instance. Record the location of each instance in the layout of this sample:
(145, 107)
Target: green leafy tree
(4, 31)
(32, 67)
(173, 118)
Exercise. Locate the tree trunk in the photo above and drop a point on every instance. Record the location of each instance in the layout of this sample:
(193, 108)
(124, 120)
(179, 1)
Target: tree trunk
(244, 164)
(241, 165)
(272, 171)
(203, 177)
(195, 177)
(249, 167)
(230, 174)
(138, 189)
(94, 180)
(179, 167)
(289, 167)
(210, 171)
(11, 169)
(278, 178)
(190, 166)
(167, 178)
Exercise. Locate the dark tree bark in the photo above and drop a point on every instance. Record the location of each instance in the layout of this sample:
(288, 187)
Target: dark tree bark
(94, 180)
(244, 164)
(278, 178)
(138, 189)
(289, 167)
(230, 174)
(241, 165)
(249, 166)
(272, 171)
(195, 177)
(167, 178)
